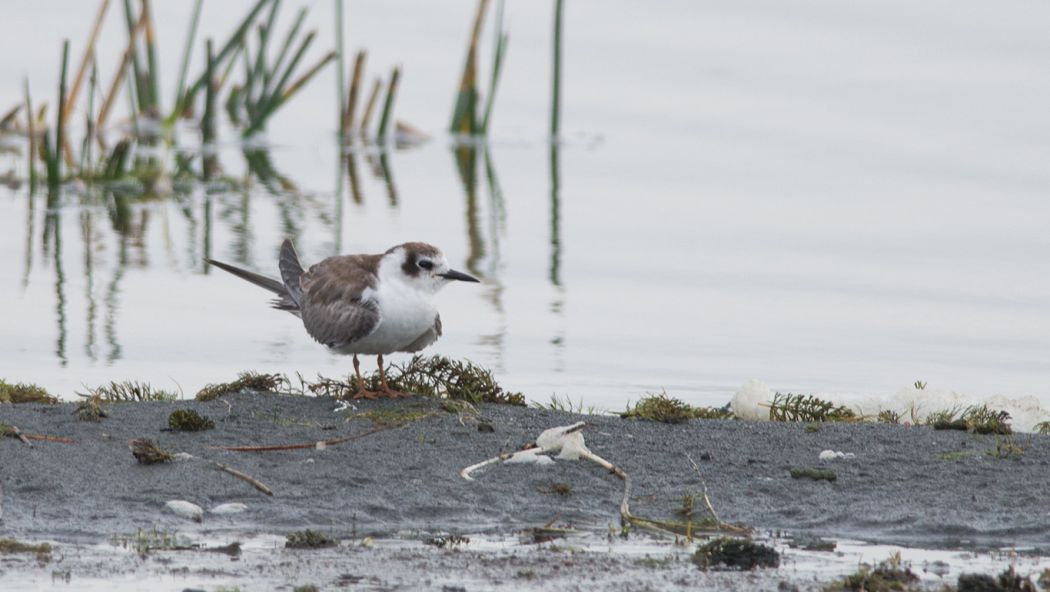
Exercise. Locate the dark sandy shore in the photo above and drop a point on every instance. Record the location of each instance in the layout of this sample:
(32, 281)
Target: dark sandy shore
(905, 485)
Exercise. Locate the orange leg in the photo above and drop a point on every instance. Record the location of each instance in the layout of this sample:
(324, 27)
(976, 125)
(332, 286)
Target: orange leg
(385, 388)
(362, 392)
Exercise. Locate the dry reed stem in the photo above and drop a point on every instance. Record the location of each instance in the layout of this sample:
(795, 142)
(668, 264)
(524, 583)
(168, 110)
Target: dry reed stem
(89, 52)
(366, 118)
(118, 78)
(355, 84)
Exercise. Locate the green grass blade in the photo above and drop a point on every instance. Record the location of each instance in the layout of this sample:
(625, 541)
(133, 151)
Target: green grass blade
(556, 72)
(191, 34)
(340, 50)
(463, 114)
(60, 129)
(388, 105)
(153, 75)
(31, 119)
(136, 65)
(229, 47)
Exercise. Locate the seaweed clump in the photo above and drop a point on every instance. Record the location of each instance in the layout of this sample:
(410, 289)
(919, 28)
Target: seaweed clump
(807, 408)
(309, 539)
(887, 576)
(733, 553)
(25, 393)
(129, 391)
(11, 546)
(671, 410)
(1008, 581)
(147, 452)
(90, 409)
(436, 376)
(978, 419)
(188, 420)
(252, 381)
(814, 474)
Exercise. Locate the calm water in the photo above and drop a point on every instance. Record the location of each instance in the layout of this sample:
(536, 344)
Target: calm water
(823, 196)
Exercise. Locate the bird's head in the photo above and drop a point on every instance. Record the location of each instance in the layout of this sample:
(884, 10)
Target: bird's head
(425, 267)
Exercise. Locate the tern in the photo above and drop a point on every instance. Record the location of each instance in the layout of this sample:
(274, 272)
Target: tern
(363, 304)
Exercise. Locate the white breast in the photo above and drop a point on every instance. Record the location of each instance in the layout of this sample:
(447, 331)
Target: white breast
(405, 313)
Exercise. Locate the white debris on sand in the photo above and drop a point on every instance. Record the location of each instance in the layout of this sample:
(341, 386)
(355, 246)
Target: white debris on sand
(835, 455)
(229, 508)
(911, 404)
(530, 455)
(186, 509)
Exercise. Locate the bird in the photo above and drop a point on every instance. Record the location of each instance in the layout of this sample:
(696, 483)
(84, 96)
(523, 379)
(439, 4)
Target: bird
(363, 304)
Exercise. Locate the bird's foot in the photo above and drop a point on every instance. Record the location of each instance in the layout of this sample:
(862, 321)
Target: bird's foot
(363, 393)
(392, 394)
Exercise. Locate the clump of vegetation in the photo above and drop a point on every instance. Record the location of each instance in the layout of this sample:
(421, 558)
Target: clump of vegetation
(309, 539)
(887, 576)
(11, 546)
(978, 419)
(982, 420)
(306, 588)
(1007, 581)
(807, 408)
(129, 391)
(734, 553)
(147, 452)
(188, 420)
(671, 410)
(435, 376)
(447, 540)
(557, 488)
(889, 416)
(252, 381)
(814, 474)
(1042, 428)
(1006, 447)
(143, 542)
(90, 408)
(22, 392)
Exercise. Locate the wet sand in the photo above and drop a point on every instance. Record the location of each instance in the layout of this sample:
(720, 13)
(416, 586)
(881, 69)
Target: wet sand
(905, 485)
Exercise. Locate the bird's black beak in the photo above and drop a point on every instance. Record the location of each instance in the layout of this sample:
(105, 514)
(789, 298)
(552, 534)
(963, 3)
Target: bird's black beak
(452, 274)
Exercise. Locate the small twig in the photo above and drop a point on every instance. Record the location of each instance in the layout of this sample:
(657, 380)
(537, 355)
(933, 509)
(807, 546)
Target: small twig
(246, 477)
(46, 438)
(707, 500)
(302, 446)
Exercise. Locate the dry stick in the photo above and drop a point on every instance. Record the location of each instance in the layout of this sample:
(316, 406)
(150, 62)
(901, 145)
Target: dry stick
(246, 477)
(277, 447)
(366, 118)
(46, 438)
(355, 84)
(89, 51)
(107, 104)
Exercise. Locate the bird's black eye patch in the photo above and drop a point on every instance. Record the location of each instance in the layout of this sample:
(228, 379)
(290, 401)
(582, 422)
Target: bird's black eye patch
(426, 264)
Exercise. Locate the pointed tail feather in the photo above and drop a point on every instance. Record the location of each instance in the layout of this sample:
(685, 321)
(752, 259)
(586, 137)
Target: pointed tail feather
(291, 271)
(283, 301)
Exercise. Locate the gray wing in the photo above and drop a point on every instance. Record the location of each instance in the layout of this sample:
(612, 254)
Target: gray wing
(429, 336)
(334, 309)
